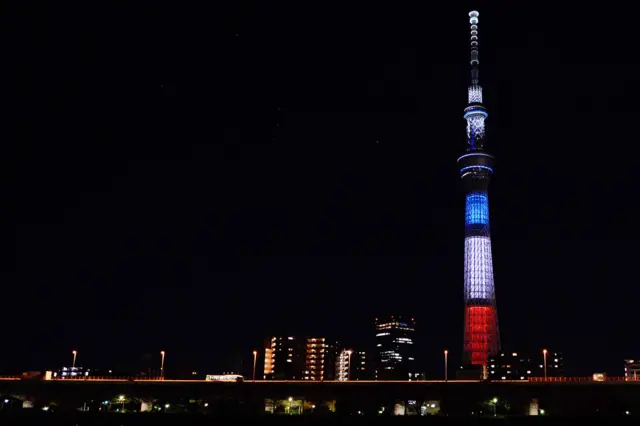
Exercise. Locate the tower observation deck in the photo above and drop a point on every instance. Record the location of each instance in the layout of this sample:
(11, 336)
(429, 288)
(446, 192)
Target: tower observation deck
(481, 334)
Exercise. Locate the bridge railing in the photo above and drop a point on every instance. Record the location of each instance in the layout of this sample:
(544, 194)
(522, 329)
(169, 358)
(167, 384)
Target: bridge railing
(581, 379)
(107, 378)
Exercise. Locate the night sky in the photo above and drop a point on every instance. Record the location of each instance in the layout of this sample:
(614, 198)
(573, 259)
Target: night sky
(197, 179)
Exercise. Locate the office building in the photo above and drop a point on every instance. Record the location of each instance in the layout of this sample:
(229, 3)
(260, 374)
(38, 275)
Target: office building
(395, 348)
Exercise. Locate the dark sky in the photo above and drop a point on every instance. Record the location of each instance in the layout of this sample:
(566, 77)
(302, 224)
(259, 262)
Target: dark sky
(195, 179)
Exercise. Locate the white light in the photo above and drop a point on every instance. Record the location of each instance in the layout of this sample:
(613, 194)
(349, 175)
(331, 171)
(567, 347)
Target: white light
(166, 405)
(541, 411)
(528, 371)
(475, 94)
(206, 404)
(45, 408)
(475, 126)
(478, 268)
(433, 405)
(6, 400)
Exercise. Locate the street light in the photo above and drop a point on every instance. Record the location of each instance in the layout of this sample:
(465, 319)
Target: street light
(446, 356)
(162, 365)
(255, 357)
(75, 353)
(122, 400)
(544, 355)
(495, 407)
(349, 366)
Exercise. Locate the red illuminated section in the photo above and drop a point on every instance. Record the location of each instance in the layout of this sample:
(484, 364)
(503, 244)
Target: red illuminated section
(481, 334)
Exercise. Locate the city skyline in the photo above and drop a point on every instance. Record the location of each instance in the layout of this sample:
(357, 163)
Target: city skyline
(197, 182)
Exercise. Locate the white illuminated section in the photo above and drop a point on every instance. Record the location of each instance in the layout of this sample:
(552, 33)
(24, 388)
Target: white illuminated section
(475, 126)
(475, 94)
(473, 17)
(478, 268)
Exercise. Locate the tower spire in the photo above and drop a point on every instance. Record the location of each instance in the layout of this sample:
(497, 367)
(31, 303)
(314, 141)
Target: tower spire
(475, 91)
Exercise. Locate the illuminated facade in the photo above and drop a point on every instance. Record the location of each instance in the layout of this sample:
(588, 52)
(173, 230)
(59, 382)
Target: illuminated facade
(395, 348)
(631, 369)
(353, 365)
(283, 358)
(343, 365)
(481, 334)
(320, 359)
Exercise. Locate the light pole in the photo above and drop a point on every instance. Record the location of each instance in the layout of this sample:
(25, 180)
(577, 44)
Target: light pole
(255, 357)
(446, 356)
(349, 366)
(75, 353)
(162, 365)
(495, 407)
(544, 355)
(122, 400)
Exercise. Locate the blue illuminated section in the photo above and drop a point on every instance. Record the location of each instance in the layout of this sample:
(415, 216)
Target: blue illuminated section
(464, 169)
(477, 209)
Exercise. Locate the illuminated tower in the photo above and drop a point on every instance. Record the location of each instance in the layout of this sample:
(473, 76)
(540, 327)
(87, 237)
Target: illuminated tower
(481, 335)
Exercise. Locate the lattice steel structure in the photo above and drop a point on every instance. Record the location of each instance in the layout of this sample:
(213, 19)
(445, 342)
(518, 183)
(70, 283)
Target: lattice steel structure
(481, 334)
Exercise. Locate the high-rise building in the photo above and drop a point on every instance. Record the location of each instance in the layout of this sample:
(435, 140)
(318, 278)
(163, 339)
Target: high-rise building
(631, 369)
(320, 359)
(343, 365)
(361, 366)
(353, 365)
(283, 358)
(395, 348)
(481, 335)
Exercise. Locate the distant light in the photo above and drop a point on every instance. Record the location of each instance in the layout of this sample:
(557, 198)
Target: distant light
(359, 412)
(206, 404)
(495, 400)
(313, 406)
(166, 405)
(542, 412)
(433, 405)
(45, 408)
(515, 354)
(290, 399)
(121, 397)
(627, 413)
(6, 400)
